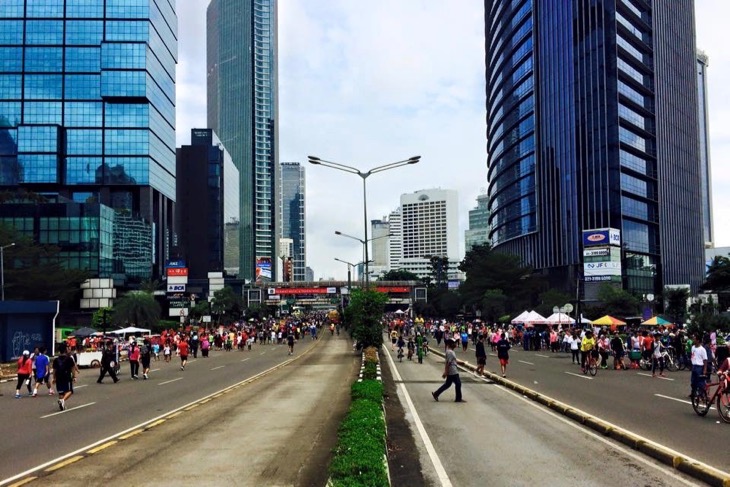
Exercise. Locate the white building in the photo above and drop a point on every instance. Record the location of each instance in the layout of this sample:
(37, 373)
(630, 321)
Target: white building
(429, 225)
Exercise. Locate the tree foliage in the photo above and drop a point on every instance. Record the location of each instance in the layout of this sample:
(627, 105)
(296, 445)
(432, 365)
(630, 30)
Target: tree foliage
(399, 275)
(136, 308)
(35, 272)
(718, 280)
(494, 304)
(488, 270)
(675, 304)
(549, 299)
(363, 315)
(617, 302)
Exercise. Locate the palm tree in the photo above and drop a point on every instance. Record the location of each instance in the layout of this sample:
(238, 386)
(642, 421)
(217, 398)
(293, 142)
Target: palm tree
(137, 307)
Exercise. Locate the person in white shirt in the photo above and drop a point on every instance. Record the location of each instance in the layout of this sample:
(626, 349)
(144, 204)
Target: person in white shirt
(699, 365)
(574, 342)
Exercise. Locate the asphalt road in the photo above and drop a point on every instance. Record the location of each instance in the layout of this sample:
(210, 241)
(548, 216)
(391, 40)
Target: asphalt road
(500, 438)
(35, 432)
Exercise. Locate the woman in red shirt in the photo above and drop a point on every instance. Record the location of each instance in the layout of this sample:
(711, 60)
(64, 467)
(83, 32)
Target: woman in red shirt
(25, 369)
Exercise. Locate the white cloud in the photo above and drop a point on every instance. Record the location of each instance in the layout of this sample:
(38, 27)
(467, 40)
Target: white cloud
(366, 83)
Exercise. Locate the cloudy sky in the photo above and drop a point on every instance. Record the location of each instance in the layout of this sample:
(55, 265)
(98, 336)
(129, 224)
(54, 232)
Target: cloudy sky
(367, 83)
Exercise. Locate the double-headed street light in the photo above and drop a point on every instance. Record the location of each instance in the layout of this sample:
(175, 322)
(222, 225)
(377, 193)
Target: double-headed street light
(364, 244)
(2, 268)
(364, 175)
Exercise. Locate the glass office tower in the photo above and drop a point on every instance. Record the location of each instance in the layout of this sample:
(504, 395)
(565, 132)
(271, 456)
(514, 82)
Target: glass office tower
(242, 109)
(87, 114)
(293, 214)
(592, 123)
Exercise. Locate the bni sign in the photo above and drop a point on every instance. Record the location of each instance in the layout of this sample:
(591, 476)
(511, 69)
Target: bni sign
(176, 288)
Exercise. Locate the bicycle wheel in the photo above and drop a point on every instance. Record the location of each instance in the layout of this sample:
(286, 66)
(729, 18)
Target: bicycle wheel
(593, 368)
(645, 364)
(700, 402)
(671, 364)
(723, 406)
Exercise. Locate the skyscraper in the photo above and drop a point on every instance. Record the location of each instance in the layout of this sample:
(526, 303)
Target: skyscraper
(293, 215)
(478, 231)
(242, 109)
(592, 123)
(207, 217)
(705, 172)
(430, 228)
(87, 121)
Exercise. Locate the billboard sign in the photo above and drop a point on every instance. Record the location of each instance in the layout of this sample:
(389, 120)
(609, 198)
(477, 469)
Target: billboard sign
(177, 271)
(601, 236)
(602, 269)
(178, 263)
(176, 288)
(601, 252)
(263, 269)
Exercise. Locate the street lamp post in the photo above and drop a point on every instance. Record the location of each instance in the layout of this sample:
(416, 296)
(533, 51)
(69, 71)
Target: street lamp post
(364, 175)
(2, 268)
(364, 244)
(349, 273)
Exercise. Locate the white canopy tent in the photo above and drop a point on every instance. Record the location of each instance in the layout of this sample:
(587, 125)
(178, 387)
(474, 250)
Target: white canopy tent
(558, 319)
(130, 330)
(520, 318)
(534, 318)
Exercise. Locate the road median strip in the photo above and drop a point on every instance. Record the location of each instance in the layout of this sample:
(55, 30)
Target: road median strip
(665, 455)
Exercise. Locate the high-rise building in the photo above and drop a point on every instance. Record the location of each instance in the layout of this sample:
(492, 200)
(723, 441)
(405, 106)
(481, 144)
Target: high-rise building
(242, 109)
(309, 274)
(430, 228)
(395, 241)
(592, 122)
(705, 172)
(207, 217)
(478, 231)
(293, 215)
(87, 120)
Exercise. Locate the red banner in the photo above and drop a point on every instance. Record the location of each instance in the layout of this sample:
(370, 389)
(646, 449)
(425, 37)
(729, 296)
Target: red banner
(301, 290)
(394, 289)
(177, 271)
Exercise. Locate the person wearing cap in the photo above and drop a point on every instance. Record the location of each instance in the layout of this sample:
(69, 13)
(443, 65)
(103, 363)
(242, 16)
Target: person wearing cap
(451, 373)
(25, 369)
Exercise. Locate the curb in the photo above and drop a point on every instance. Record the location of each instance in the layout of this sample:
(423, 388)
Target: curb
(694, 468)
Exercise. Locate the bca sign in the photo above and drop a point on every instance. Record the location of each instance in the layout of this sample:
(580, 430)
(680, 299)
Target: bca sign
(176, 288)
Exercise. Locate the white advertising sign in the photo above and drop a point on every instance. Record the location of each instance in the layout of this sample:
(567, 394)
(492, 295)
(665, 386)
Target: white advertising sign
(596, 252)
(176, 288)
(602, 269)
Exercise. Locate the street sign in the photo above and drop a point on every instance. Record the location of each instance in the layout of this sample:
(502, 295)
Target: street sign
(177, 271)
(176, 288)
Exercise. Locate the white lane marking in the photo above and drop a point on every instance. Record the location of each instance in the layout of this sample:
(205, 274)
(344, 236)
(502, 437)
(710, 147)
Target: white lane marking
(141, 425)
(262, 353)
(167, 382)
(616, 446)
(79, 387)
(437, 465)
(155, 370)
(579, 375)
(528, 363)
(540, 355)
(684, 401)
(649, 375)
(67, 410)
(246, 359)
(219, 367)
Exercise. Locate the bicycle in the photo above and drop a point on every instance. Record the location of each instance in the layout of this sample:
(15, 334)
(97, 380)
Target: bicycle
(591, 364)
(702, 400)
(400, 354)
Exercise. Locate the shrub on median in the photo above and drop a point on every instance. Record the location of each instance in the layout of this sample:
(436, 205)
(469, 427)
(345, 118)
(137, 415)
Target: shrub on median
(358, 456)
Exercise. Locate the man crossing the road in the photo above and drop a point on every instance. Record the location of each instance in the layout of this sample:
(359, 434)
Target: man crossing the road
(451, 373)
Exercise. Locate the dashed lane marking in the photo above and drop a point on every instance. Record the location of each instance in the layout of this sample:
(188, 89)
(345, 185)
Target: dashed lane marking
(543, 356)
(168, 381)
(246, 359)
(219, 367)
(524, 362)
(579, 375)
(657, 377)
(683, 401)
(64, 463)
(102, 447)
(67, 410)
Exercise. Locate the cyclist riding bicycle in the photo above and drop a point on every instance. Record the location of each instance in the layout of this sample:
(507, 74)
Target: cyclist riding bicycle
(587, 346)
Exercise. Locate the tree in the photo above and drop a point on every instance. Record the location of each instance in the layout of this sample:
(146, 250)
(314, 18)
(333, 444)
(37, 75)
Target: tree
(364, 314)
(150, 286)
(551, 298)
(675, 303)
(617, 302)
(399, 275)
(446, 303)
(493, 305)
(439, 270)
(137, 307)
(226, 302)
(101, 318)
(487, 269)
(35, 272)
(718, 280)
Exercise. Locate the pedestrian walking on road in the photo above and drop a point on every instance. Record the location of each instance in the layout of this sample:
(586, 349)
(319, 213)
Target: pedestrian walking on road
(108, 363)
(451, 373)
(290, 342)
(25, 369)
(481, 355)
(183, 348)
(64, 375)
(503, 347)
(42, 371)
(145, 355)
(134, 359)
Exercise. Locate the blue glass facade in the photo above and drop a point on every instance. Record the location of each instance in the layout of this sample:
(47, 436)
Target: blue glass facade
(87, 105)
(581, 136)
(293, 214)
(242, 109)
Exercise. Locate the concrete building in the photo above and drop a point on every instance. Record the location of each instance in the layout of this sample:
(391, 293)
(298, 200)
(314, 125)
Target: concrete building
(478, 231)
(207, 206)
(243, 111)
(430, 228)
